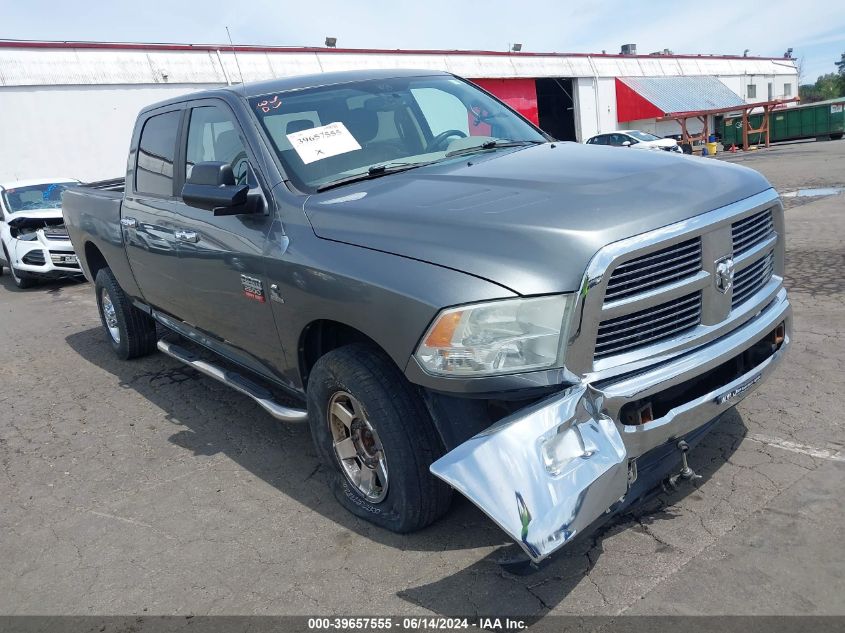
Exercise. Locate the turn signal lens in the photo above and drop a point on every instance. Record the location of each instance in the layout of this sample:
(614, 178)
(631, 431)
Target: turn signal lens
(443, 331)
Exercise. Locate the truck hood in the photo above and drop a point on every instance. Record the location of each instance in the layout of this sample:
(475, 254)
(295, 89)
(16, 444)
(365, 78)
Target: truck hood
(527, 219)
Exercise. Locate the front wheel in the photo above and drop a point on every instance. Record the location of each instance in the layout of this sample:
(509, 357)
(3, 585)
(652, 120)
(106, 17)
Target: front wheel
(22, 281)
(375, 437)
(132, 333)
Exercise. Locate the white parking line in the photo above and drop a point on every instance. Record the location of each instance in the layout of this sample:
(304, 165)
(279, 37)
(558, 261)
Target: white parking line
(786, 445)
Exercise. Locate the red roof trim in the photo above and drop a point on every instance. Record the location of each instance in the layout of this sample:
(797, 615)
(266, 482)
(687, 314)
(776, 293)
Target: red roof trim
(318, 49)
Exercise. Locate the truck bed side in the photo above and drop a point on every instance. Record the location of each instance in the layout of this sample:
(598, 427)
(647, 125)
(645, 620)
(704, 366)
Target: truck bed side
(92, 216)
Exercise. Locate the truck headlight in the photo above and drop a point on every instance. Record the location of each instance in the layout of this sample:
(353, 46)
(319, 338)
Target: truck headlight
(497, 337)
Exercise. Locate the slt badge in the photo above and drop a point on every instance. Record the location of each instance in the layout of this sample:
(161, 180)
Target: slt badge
(725, 274)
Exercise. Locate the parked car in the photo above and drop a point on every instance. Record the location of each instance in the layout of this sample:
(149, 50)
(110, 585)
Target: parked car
(686, 148)
(35, 243)
(636, 139)
(545, 328)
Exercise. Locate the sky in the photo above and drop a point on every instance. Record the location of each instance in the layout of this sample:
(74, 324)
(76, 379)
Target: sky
(815, 29)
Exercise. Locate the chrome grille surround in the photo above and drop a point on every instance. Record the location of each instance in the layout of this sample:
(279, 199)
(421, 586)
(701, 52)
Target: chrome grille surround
(719, 314)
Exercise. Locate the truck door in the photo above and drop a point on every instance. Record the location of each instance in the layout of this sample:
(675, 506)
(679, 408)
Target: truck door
(150, 213)
(222, 257)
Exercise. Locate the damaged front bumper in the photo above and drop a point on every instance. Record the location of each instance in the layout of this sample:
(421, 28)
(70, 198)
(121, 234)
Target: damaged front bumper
(44, 256)
(547, 472)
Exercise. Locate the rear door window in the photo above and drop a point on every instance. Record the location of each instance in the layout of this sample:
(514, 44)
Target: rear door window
(156, 154)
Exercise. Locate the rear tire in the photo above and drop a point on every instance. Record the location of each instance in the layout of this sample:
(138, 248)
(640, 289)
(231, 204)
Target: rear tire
(396, 440)
(131, 332)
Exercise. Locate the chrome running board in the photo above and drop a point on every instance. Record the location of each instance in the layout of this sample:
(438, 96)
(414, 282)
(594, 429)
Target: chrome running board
(262, 397)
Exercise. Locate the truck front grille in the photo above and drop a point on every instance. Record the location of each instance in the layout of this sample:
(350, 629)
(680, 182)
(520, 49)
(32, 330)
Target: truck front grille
(654, 270)
(750, 231)
(648, 326)
(751, 279)
(666, 292)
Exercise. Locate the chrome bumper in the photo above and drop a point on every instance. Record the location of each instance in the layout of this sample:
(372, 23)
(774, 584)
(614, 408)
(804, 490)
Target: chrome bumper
(547, 472)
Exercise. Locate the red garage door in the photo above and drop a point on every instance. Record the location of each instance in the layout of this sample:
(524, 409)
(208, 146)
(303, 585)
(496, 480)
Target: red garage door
(520, 94)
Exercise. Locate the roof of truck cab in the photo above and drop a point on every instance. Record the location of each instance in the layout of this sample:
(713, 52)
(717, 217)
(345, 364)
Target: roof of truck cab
(259, 88)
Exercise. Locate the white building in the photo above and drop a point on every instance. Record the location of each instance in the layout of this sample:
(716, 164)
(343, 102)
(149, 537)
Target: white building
(67, 109)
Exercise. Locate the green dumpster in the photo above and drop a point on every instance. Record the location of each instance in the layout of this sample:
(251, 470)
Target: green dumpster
(824, 119)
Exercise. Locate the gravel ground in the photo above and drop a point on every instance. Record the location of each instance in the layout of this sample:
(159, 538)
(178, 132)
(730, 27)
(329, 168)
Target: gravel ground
(144, 488)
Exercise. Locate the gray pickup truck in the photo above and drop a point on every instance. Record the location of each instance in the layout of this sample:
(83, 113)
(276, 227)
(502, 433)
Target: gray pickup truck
(450, 298)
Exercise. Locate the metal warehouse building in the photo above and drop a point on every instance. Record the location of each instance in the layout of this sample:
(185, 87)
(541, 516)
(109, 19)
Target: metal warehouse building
(67, 108)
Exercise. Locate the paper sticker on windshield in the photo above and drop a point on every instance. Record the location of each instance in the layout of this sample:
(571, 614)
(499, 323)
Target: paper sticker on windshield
(322, 142)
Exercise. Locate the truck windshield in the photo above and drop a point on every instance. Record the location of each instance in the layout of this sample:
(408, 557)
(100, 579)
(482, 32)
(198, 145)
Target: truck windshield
(35, 197)
(331, 135)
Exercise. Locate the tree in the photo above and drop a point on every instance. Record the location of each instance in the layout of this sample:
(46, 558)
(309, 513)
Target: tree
(829, 86)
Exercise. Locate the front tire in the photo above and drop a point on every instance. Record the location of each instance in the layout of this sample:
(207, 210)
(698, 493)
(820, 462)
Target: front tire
(375, 437)
(22, 282)
(131, 332)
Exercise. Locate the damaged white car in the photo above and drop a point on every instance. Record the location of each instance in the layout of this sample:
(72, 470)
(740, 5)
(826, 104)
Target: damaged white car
(32, 230)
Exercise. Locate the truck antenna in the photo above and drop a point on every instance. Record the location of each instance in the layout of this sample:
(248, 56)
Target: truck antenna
(235, 53)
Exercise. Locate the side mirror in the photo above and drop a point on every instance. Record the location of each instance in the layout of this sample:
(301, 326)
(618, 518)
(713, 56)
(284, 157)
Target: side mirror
(212, 186)
(626, 143)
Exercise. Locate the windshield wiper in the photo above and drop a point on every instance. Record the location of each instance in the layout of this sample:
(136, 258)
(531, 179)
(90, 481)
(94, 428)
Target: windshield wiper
(493, 144)
(376, 171)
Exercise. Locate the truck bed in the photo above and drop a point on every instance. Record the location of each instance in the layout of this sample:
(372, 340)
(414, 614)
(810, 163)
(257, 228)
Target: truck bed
(92, 216)
(111, 185)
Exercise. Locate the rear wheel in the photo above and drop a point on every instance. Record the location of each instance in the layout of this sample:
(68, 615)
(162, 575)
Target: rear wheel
(131, 332)
(836, 137)
(375, 437)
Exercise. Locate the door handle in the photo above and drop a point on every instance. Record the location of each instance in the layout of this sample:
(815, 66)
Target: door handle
(187, 236)
(129, 223)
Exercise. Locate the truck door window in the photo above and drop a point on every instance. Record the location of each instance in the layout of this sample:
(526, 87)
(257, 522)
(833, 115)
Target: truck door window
(156, 151)
(212, 135)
